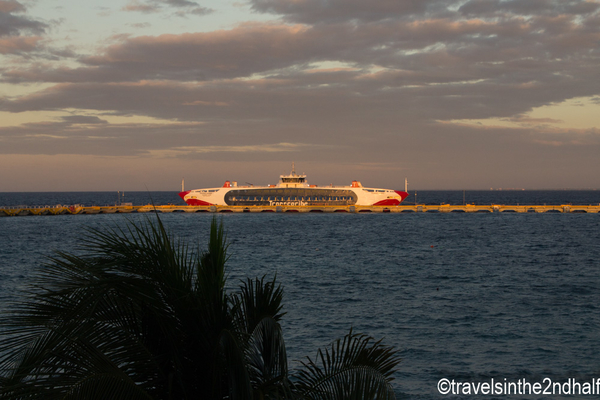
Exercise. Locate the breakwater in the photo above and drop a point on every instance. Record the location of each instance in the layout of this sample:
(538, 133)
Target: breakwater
(10, 211)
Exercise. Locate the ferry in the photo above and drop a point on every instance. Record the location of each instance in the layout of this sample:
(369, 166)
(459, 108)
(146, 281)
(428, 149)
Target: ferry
(292, 190)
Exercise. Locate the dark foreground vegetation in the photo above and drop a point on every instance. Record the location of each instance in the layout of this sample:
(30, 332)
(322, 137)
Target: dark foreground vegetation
(138, 315)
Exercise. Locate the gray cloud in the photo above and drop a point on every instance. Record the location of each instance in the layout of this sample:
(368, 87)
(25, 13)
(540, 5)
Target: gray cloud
(334, 11)
(11, 24)
(14, 27)
(141, 7)
(450, 69)
(444, 48)
(153, 6)
(83, 119)
(491, 8)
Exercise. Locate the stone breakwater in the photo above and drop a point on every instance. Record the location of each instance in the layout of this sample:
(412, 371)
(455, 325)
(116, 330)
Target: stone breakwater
(295, 207)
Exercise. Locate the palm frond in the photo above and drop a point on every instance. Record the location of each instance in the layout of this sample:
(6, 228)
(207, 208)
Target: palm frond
(267, 361)
(256, 300)
(238, 380)
(96, 386)
(355, 367)
(112, 309)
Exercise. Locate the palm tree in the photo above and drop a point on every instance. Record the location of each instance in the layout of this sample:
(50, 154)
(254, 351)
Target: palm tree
(136, 314)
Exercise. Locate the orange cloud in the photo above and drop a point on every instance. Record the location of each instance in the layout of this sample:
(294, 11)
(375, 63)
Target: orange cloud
(17, 44)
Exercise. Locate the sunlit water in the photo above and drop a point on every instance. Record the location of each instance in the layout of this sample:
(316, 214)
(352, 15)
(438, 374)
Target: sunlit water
(468, 297)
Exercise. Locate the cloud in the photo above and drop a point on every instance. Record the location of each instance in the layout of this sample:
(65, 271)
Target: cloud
(435, 69)
(83, 119)
(81, 134)
(93, 136)
(9, 6)
(187, 57)
(11, 24)
(18, 44)
(199, 151)
(138, 6)
(334, 11)
(185, 7)
(426, 51)
(493, 8)
(12, 28)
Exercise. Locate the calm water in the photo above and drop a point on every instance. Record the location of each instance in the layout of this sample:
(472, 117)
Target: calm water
(468, 297)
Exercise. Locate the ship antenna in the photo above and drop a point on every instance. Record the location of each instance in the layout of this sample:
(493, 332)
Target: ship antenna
(293, 168)
(182, 185)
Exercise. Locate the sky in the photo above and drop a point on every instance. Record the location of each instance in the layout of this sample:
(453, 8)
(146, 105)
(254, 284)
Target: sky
(449, 94)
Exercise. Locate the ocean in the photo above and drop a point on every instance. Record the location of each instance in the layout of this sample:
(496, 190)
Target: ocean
(470, 298)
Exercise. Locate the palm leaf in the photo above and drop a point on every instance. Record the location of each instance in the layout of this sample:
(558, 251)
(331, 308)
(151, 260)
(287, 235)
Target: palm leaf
(256, 300)
(355, 367)
(267, 361)
(134, 303)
